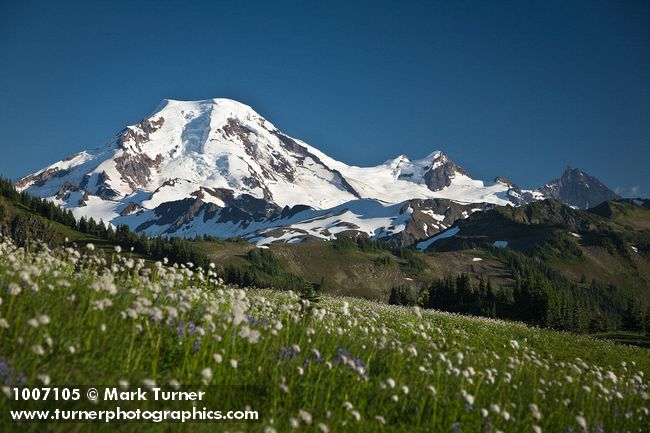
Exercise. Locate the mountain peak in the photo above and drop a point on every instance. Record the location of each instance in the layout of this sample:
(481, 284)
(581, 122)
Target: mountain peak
(216, 166)
(578, 189)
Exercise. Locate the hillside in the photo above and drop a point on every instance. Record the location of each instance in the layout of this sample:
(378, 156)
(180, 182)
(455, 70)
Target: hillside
(331, 364)
(547, 277)
(609, 243)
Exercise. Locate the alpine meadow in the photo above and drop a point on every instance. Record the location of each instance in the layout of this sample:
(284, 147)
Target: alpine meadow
(325, 217)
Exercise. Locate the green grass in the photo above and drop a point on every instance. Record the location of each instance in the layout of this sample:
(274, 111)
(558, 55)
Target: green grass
(342, 365)
(629, 338)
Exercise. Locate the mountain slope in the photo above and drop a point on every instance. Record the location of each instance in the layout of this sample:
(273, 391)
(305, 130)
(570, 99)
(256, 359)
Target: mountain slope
(217, 167)
(577, 188)
(581, 271)
(610, 243)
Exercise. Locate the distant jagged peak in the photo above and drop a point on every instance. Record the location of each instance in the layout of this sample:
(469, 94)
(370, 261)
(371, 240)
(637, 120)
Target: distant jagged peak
(578, 189)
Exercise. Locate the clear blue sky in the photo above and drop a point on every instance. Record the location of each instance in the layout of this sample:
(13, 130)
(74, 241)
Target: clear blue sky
(520, 89)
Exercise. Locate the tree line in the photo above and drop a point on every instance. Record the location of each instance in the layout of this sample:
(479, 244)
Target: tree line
(538, 296)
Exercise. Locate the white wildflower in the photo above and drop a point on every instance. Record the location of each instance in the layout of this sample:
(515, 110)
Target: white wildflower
(206, 373)
(305, 416)
(44, 378)
(14, 289)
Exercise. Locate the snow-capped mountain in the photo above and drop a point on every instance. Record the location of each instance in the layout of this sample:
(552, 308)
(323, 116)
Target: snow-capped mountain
(217, 167)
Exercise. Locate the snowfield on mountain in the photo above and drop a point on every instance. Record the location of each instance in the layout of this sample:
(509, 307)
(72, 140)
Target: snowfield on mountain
(217, 167)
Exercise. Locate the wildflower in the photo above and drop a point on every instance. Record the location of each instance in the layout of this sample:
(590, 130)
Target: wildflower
(537, 429)
(90, 247)
(405, 389)
(390, 382)
(356, 415)
(233, 363)
(33, 323)
(4, 323)
(381, 419)
(345, 309)
(294, 423)
(206, 373)
(569, 379)
(251, 334)
(149, 383)
(124, 384)
(118, 249)
(611, 376)
(323, 428)
(44, 378)
(217, 358)
(514, 344)
(535, 411)
(14, 289)
(38, 349)
(582, 422)
(44, 319)
(305, 416)
(484, 413)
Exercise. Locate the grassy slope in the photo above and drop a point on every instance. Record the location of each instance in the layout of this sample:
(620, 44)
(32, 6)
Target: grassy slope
(336, 363)
(357, 273)
(528, 228)
(61, 232)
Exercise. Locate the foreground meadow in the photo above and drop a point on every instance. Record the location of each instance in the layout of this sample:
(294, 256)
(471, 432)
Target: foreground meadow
(72, 318)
